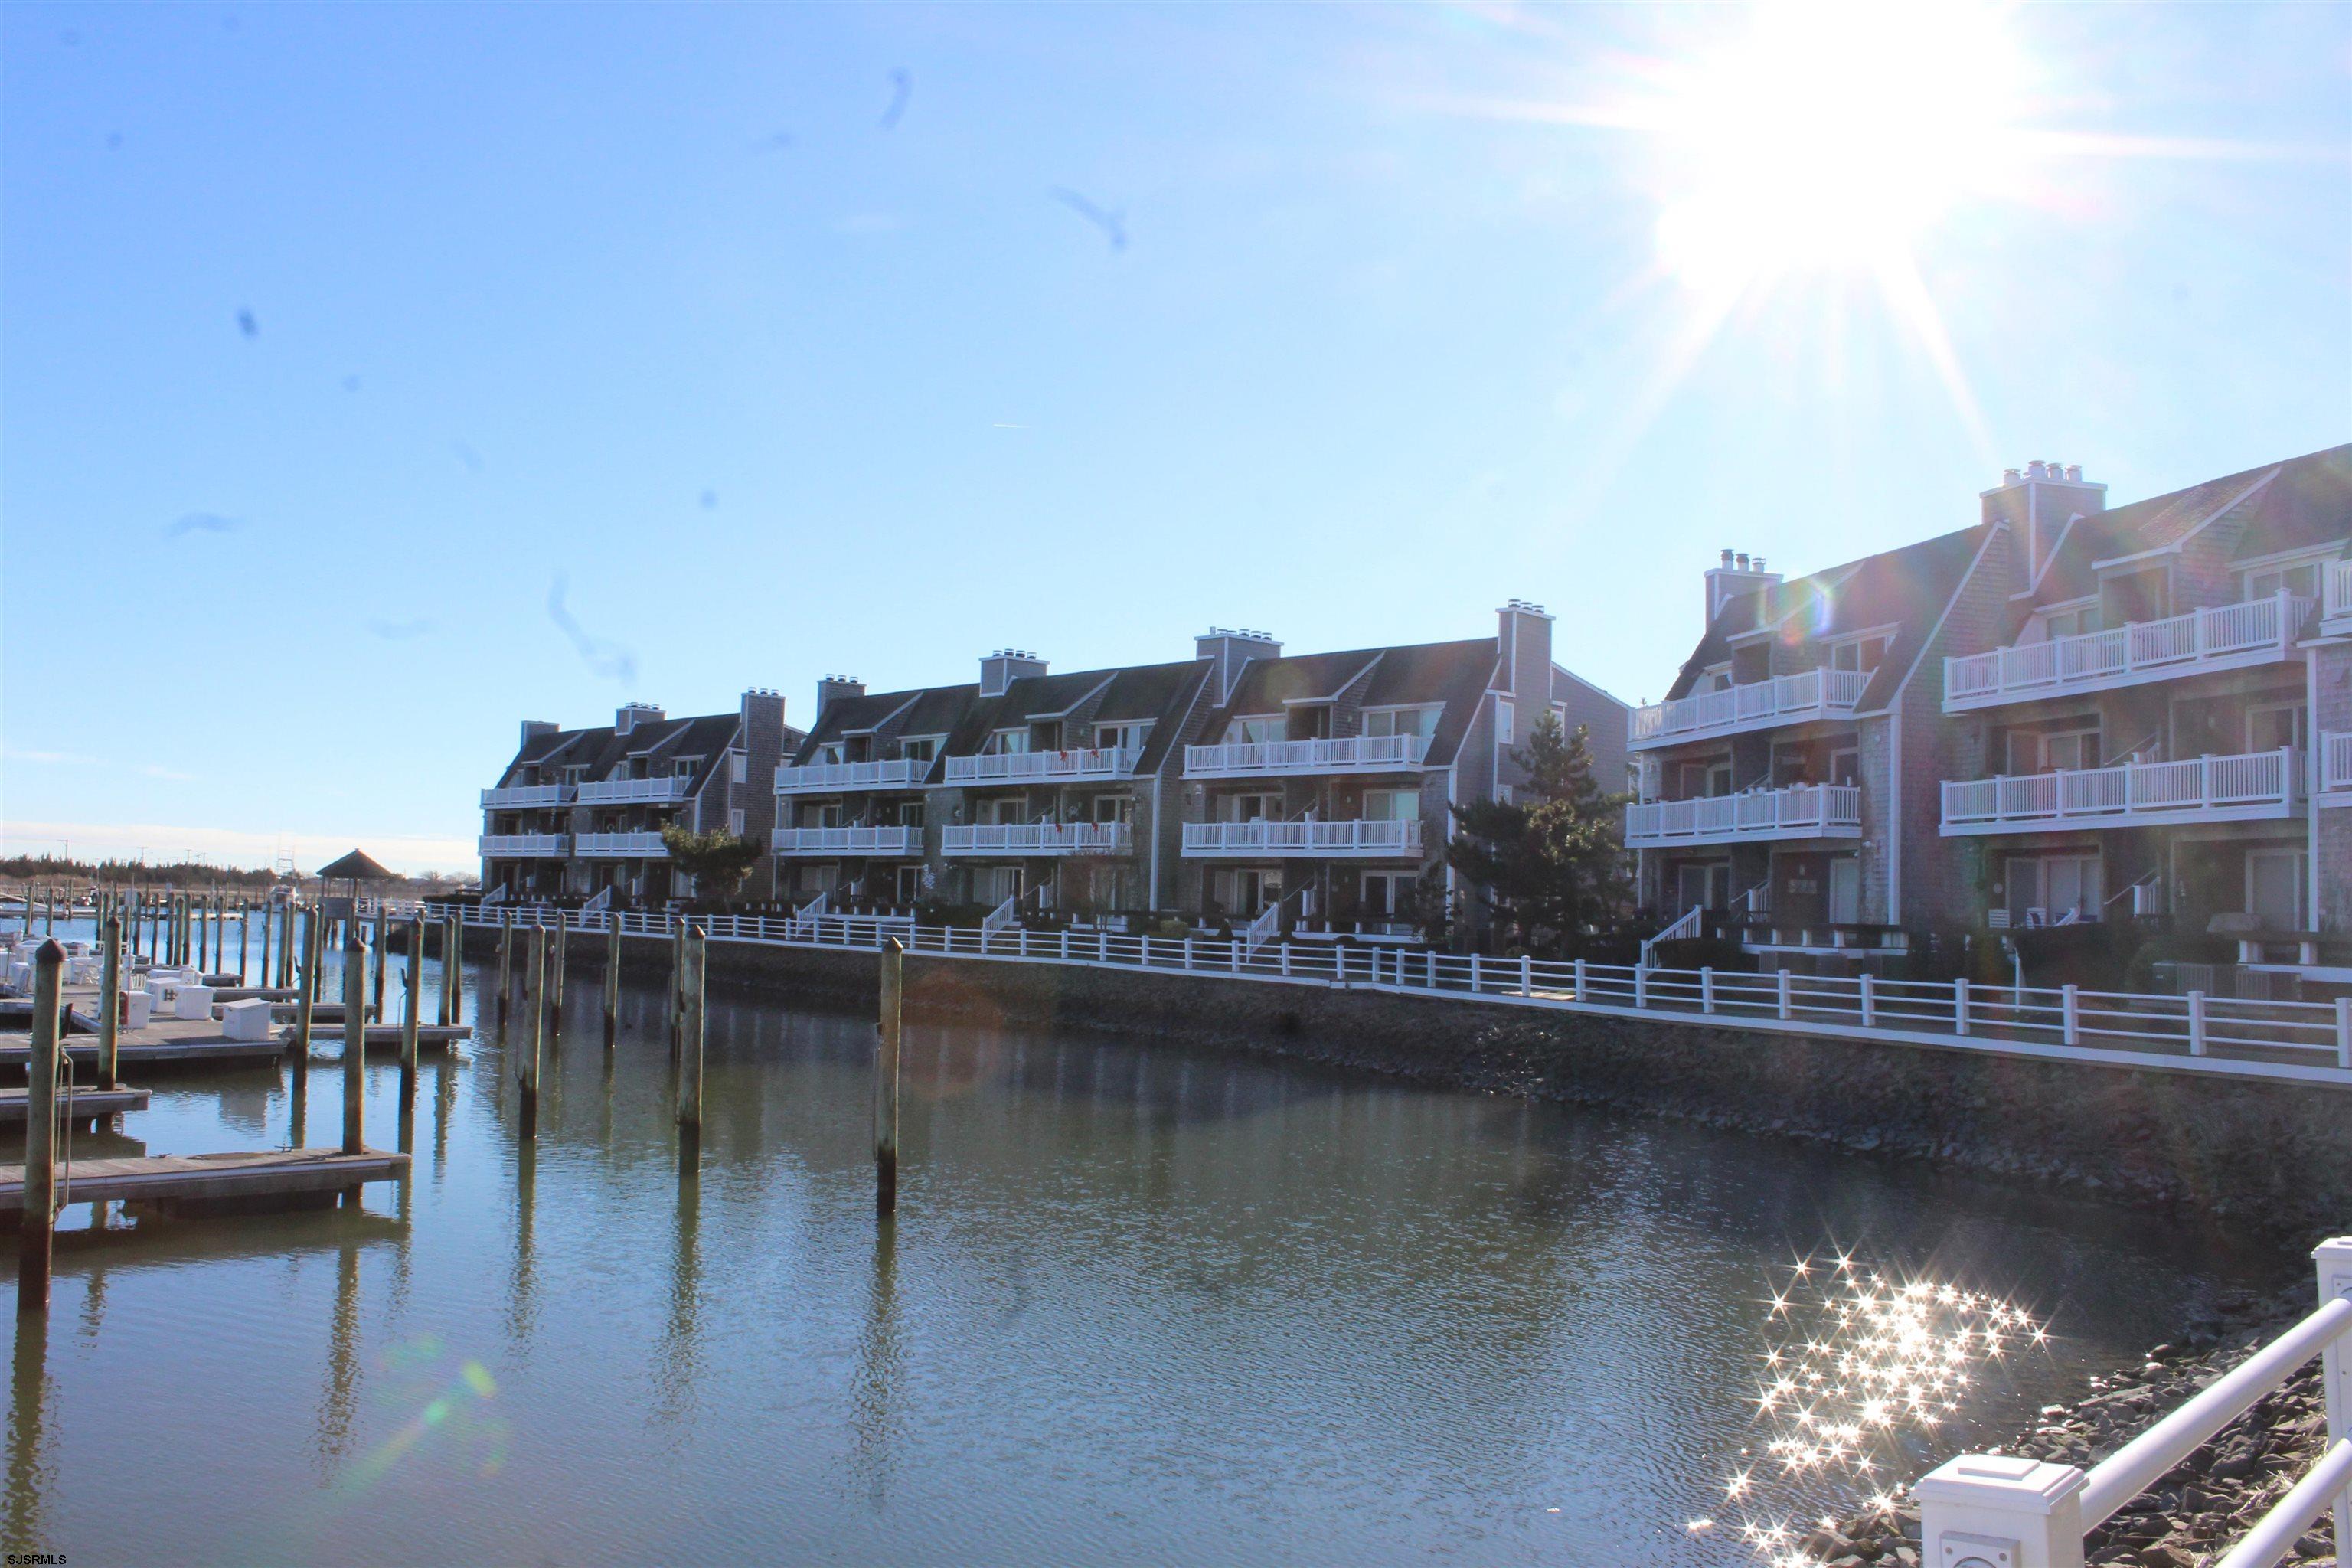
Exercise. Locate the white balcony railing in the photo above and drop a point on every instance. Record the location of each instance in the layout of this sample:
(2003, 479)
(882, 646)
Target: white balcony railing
(1040, 838)
(630, 845)
(1093, 763)
(1822, 693)
(898, 773)
(516, 845)
(2201, 789)
(517, 797)
(636, 792)
(1355, 755)
(2337, 606)
(1800, 810)
(2230, 636)
(1263, 838)
(2335, 760)
(896, 839)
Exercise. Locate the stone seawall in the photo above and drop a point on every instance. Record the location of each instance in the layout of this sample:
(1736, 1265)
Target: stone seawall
(2273, 1159)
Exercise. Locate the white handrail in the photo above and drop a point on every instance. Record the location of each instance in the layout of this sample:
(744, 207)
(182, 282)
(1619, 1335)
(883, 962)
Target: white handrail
(1268, 921)
(1685, 925)
(1003, 915)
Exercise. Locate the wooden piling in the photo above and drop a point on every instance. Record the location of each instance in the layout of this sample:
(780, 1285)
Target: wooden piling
(38, 1222)
(414, 997)
(534, 983)
(886, 1082)
(506, 966)
(611, 982)
(452, 948)
(689, 1075)
(306, 1000)
(220, 930)
(383, 959)
(244, 932)
(355, 961)
(109, 1001)
(677, 986)
(555, 988)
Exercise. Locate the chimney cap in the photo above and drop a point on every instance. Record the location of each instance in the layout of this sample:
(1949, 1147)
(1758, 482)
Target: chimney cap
(1727, 557)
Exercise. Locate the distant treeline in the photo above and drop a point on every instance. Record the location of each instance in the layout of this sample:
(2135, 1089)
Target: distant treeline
(130, 873)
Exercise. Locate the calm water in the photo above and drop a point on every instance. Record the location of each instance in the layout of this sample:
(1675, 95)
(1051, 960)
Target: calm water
(1142, 1304)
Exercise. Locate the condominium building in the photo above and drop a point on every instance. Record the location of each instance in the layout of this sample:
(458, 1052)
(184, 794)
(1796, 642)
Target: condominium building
(577, 813)
(2065, 712)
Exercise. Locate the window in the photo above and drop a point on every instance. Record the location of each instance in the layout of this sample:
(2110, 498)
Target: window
(1862, 654)
(910, 813)
(1503, 717)
(684, 767)
(2071, 623)
(826, 815)
(735, 822)
(2301, 579)
(1845, 767)
(2274, 885)
(1009, 808)
(1125, 737)
(2047, 750)
(829, 752)
(1402, 805)
(1005, 743)
(1504, 794)
(920, 748)
(2270, 725)
(2047, 889)
(1113, 808)
(740, 766)
(1255, 730)
(1716, 679)
(1420, 721)
(1248, 807)
(1387, 895)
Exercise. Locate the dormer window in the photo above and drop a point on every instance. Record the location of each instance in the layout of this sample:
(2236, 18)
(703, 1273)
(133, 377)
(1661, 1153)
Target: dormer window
(2071, 623)
(1254, 731)
(2299, 578)
(1420, 721)
(1126, 737)
(1862, 655)
(920, 748)
(684, 766)
(829, 753)
(1005, 743)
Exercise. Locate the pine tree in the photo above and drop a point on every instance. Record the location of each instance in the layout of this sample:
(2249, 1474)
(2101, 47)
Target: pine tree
(1549, 864)
(717, 860)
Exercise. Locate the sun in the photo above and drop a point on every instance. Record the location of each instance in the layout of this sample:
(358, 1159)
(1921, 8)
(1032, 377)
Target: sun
(1830, 137)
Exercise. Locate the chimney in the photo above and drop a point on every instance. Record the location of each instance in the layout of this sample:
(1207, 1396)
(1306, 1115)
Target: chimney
(1523, 645)
(1228, 650)
(832, 687)
(632, 715)
(1739, 574)
(534, 727)
(2036, 505)
(1006, 666)
(762, 712)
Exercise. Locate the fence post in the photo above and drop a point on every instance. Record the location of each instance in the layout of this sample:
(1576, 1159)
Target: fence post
(1066, 944)
(2196, 1022)
(2344, 1031)
(1640, 986)
(1021, 943)
(1960, 1006)
(1786, 1003)
(1527, 974)
(1144, 948)
(2070, 1027)
(2000, 1509)
(1869, 1002)
(1188, 952)
(1579, 980)
(1286, 961)
(1473, 974)
(2334, 1259)
(1707, 988)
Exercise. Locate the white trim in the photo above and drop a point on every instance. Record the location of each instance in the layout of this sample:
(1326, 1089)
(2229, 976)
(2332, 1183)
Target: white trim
(2317, 554)
(1937, 630)
(2034, 583)
(2174, 548)
(1894, 794)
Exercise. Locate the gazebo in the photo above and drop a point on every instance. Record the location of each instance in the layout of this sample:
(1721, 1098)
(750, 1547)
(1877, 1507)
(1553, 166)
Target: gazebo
(351, 870)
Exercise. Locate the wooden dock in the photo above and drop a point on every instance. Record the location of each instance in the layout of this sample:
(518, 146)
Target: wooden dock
(172, 1043)
(80, 1104)
(429, 1036)
(266, 1178)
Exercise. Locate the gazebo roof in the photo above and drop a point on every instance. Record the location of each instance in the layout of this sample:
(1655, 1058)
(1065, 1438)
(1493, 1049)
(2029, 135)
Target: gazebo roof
(356, 866)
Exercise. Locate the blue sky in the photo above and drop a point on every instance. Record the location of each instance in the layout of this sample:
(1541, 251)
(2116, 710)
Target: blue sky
(1408, 320)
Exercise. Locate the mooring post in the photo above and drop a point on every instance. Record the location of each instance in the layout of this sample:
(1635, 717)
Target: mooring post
(244, 939)
(886, 1082)
(612, 983)
(413, 997)
(39, 1219)
(677, 986)
(534, 981)
(110, 1000)
(506, 966)
(555, 985)
(355, 961)
(383, 959)
(306, 1001)
(220, 928)
(452, 948)
(689, 1076)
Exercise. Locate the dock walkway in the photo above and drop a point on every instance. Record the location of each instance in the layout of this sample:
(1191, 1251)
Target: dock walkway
(268, 1173)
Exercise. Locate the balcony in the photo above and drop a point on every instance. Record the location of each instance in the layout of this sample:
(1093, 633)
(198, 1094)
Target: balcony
(660, 791)
(1260, 759)
(516, 797)
(1010, 767)
(2253, 787)
(2336, 766)
(2231, 637)
(1265, 840)
(1800, 810)
(2335, 610)
(524, 845)
(1759, 705)
(1041, 838)
(898, 840)
(621, 845)
(832, 778)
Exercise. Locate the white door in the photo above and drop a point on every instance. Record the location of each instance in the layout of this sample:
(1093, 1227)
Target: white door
(1846, 891)
(2275, 887)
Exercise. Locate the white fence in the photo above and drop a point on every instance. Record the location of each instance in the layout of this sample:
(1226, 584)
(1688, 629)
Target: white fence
(2308, 1042)
(2335, 760)
(1800, 810)
(2001, 1508)
(508, 846)
(1039, 838)
(894, 773)
(1823, 693)
(890, 838)
(1090, 762)
(2258, 784)
(624, 792)
(2225, 636)
(629, 845)
(515, 796)
(1267, 838)
(1354, 753)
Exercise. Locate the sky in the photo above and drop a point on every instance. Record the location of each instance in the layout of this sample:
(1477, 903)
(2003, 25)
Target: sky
(376, 378)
